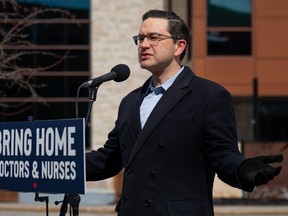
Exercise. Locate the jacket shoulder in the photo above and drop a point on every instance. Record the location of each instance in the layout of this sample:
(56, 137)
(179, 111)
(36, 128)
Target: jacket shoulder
(200, 82)
(208, 85)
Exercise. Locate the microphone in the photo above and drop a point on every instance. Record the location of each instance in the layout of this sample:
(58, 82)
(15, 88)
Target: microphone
(118, 73)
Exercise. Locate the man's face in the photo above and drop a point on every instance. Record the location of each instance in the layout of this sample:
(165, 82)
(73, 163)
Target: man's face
(155, 58)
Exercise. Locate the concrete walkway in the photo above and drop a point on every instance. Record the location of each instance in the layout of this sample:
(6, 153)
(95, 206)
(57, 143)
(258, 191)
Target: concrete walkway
(109, 209)
(100, 202)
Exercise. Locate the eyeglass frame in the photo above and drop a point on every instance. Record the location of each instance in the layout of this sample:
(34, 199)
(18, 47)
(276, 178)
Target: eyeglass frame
(140, 38)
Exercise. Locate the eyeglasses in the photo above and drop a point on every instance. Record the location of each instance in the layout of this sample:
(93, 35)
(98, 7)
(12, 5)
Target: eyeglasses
(152, 38)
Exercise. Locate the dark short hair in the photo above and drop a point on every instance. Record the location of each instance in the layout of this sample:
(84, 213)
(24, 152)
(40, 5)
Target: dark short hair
(176, 25)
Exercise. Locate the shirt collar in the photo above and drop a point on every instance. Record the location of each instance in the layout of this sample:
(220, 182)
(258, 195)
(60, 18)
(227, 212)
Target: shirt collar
(165, 85)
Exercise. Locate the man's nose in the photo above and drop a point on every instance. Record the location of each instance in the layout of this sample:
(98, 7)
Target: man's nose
(145, 42)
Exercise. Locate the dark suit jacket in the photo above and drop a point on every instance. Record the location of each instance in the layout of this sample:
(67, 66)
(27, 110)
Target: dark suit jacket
(170, 164)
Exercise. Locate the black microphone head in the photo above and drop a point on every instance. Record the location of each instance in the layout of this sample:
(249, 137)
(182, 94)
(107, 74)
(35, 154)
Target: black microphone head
(122, 71)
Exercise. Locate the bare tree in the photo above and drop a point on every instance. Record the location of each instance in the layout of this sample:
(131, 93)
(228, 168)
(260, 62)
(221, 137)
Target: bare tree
(15, 19)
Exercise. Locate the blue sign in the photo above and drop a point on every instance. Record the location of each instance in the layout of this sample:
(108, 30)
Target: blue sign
(43, 156)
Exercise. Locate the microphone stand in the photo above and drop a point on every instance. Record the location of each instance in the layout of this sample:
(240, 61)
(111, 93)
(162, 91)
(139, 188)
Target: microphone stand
(42, 199)
(74, 199)
(92, 98)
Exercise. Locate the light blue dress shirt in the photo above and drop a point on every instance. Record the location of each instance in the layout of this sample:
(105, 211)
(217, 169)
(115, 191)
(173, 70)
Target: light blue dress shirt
(152, 96)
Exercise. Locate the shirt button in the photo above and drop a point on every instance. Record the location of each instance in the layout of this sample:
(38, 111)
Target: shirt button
(124, 199)
(160, 147)
(122, 147)
(151, 175)
(147, 203)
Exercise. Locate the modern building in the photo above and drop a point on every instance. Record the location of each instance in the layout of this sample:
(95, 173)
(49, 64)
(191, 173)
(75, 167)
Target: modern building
(240, 44)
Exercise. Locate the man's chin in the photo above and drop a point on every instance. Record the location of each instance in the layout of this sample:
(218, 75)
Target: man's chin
(144, 65)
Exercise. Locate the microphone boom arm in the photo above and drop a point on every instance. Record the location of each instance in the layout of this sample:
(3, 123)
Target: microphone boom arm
(92, 97)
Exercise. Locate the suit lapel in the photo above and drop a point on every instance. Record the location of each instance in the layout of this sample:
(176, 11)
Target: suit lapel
(170, 98)
(134, 117)
(134, 120)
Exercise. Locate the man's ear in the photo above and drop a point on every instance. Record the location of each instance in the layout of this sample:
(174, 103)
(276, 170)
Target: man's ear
(180, 46)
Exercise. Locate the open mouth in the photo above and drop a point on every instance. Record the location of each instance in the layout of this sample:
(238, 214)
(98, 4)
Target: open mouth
(145, 56)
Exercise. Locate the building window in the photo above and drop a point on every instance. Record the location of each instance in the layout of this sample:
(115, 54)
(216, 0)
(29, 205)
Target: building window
(229, 43)
(57, 46)
(236, 13)
(273, 118)
(229, 27)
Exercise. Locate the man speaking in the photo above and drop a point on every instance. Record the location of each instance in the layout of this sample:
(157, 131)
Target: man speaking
(174, 133)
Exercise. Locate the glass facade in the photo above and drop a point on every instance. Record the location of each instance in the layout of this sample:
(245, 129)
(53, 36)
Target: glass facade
(229, 27)
(273, 118)
(53, 48)
(229, 43)
(236, 13)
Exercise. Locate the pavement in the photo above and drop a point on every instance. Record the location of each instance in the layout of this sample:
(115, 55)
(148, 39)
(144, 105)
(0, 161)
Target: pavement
(101, 203)
(93, 202)
(109, 209)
